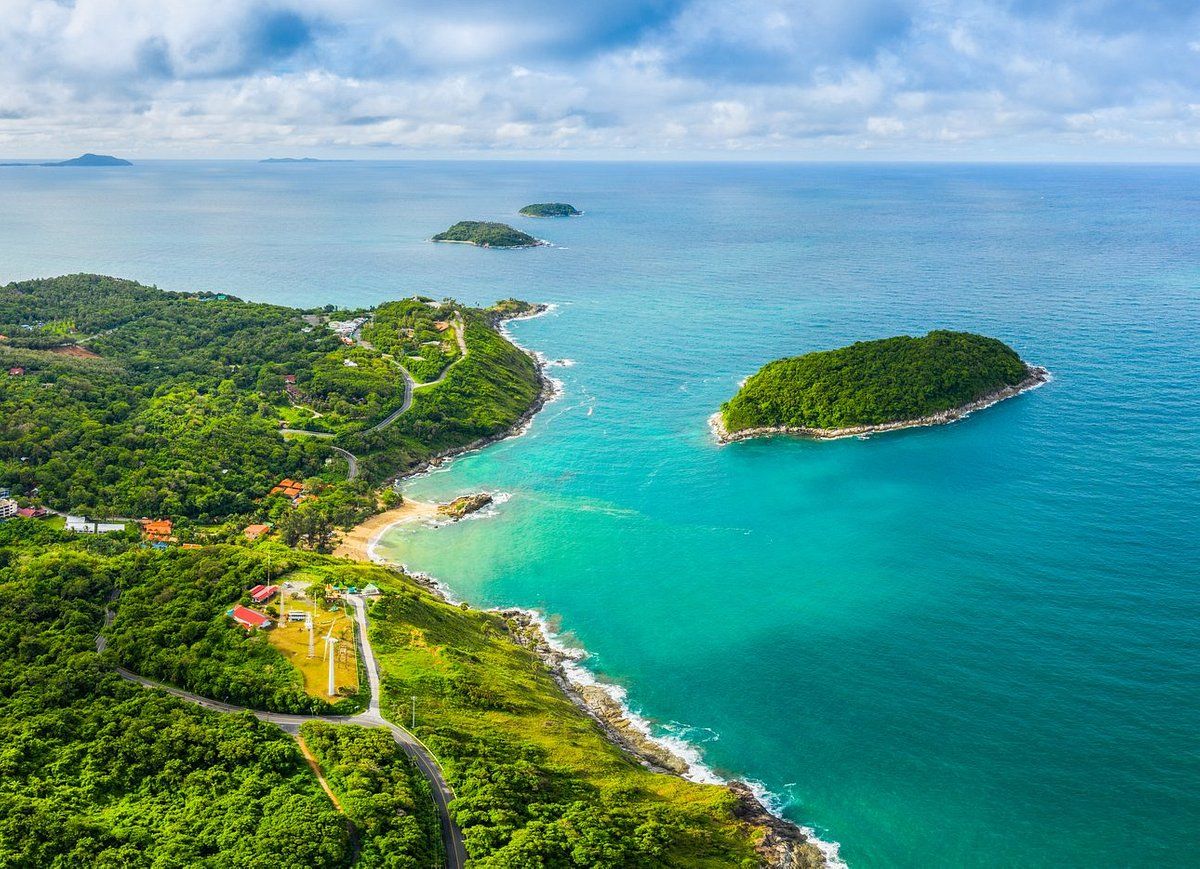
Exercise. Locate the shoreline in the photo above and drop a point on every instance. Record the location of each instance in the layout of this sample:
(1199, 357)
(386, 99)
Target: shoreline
(549, 389)
(1037, 376)
(785, 844)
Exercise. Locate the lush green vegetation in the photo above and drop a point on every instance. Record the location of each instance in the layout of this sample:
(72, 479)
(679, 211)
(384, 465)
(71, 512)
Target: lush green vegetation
(482, 396)
(172, 626)
(96, 771)
(486, 234)
(382, 792)
(550, 209)
(139, 402)
(874, 382)
(537, 784)
(417, 334)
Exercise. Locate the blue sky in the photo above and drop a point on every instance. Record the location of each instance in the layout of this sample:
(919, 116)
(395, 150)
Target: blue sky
(634, 79)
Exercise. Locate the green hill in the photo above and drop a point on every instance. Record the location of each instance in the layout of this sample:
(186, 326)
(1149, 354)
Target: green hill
(550, 209)
(875, 382)
(487, 234)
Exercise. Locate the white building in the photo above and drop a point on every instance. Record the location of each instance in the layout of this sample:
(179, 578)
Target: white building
(83, 525)
(8, 508)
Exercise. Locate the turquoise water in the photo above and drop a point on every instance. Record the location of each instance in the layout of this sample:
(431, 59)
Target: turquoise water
(975, 645)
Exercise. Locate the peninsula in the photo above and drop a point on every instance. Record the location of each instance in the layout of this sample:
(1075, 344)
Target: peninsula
(429, 733)
(487, 234)
(876, 386)
(550, 209)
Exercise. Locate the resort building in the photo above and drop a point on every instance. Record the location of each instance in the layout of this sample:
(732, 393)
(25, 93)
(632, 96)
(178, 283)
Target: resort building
(32, 513)
(8, 508)
(291, 488)
(248, 618)
(158, 530)
(371, 590)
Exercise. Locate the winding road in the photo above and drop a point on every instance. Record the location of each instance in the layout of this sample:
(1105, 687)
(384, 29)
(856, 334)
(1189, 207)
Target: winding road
(410, 386)
(452, 841)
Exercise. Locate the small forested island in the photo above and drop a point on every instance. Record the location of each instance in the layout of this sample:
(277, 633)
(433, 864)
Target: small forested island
(487, 234)
(874, 386)
(550, 209)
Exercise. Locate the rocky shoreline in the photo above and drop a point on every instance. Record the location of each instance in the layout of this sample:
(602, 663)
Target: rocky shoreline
(546, 392)
(784, 845)
(465, 505)
(1036, 377)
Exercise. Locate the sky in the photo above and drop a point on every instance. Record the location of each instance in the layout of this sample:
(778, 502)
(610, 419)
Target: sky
(621, 79)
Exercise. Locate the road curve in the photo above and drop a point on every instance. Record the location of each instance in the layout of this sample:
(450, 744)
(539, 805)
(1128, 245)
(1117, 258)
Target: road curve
(452, 841)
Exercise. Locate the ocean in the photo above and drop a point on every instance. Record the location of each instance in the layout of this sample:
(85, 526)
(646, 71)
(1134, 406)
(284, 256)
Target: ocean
(970, 645)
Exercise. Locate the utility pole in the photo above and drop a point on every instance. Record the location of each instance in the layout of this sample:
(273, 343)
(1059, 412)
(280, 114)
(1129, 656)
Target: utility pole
(310, 634)
(414, 712)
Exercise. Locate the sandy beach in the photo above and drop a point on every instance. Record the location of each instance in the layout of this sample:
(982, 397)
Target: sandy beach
(358, 541)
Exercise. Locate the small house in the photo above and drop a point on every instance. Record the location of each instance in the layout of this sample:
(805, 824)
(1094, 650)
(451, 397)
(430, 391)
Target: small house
(289, 379)
(249, 619)
(32, 513)
(16, 371)
(253, 532)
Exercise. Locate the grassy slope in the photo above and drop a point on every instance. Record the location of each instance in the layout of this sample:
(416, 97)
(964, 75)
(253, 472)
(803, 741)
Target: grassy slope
(485, 702)
(873, 382)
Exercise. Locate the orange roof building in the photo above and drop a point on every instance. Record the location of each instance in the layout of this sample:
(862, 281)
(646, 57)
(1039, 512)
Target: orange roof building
(290, 488)
(253, 532)
(158, 529)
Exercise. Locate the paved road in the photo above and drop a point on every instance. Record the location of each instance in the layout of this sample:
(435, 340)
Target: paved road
(452, 841)
(409, 386)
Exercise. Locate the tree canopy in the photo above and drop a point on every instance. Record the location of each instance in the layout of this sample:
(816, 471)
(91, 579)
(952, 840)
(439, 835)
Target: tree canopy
(874, 382)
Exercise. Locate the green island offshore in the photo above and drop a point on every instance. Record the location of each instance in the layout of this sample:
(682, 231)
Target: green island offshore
(876, 386)
(260, 445)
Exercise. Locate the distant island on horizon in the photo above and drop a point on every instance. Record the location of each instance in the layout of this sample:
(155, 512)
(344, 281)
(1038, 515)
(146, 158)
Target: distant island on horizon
(301, 160)
(876, 386)
(82, 160)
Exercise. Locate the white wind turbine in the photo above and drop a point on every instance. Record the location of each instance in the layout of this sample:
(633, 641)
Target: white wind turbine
(330, 643)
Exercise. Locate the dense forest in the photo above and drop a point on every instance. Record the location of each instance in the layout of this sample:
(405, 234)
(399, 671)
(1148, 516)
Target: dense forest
(133, 401)
(96, 771)
(874, 382)
(487, 234)
(100, 771)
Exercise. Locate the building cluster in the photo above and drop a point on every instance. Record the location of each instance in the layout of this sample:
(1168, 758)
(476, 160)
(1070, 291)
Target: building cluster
(345, 329)
(293, 490)
(263, 593)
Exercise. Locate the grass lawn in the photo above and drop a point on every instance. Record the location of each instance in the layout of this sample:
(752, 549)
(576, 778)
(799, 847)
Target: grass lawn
(291, 639)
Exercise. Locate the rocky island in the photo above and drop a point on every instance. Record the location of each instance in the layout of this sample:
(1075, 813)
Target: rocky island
(875, 386)
(550, 209)
(487, 234)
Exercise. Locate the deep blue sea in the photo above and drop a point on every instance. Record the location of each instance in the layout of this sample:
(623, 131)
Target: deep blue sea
(972, 645)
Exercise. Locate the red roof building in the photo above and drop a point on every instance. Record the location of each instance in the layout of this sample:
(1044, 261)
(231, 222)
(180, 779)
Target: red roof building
(253, 532)
(158, 530)
(248, 618)
(32, 512)
(289, 378)
(16, 371)
(262, 593)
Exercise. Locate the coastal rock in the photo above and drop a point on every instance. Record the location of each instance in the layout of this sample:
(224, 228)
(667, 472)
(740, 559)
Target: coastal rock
(464, 506)
(784, 845)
